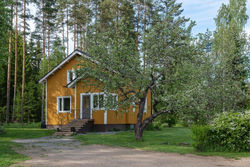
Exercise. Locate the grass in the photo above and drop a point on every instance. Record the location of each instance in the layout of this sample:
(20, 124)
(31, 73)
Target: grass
(173, 140)
(20, 125)
(7, 155)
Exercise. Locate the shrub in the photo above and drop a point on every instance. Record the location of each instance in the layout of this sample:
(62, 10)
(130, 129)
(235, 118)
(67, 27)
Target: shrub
(231, 131)
(201, 137)
(227, 132)
(169, 119)
(156, 125)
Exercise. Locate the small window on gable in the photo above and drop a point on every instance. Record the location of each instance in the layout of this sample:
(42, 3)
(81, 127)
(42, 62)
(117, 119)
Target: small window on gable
(64, 104)
(145, 106)
(71, 75)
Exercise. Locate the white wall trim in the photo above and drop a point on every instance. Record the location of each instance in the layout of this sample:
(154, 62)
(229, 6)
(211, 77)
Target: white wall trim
(105, 117)
(75, 99)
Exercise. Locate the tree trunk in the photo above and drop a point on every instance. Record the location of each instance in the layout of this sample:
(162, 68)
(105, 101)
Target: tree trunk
(144, 31)
(15, 75)
(137, 26)
(44, 40)
(63, 42)
(81, 32)
(48, 47)
(117, 15)
(9, 70)
(67, 30)
(24, 56)
(86, 33)
(138, 127)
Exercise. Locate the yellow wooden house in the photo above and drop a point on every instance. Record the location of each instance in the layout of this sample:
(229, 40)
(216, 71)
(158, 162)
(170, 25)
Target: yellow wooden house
(68, 98)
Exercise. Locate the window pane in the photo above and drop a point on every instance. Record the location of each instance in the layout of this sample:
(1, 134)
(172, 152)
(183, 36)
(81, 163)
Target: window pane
(66, 104)
(95, 101)
(115, 99)
(101, 101)
(110, 100)
(60, 104)
(71, 76)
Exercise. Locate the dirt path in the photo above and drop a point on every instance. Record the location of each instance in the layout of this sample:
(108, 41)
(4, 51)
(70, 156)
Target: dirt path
(67, 152)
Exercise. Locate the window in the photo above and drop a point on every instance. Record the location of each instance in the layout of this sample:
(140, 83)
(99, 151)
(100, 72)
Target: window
(145, 106)
(64, 104)
(112, 101)
(98, 101)
(71, 75)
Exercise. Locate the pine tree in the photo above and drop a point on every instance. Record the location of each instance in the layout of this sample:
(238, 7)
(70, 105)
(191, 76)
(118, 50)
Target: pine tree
(9, 68)
(15, 75)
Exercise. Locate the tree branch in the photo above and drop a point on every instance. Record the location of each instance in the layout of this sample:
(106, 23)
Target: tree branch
(152, 117)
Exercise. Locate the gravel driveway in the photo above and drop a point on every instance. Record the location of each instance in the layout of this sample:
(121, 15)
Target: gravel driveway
(55, 152)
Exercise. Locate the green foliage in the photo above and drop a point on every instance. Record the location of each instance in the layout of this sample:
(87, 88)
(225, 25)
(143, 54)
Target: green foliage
(227, 132)
(231, 131)
(169, 119)
(200, 135)
(218, 73)
(155, 125)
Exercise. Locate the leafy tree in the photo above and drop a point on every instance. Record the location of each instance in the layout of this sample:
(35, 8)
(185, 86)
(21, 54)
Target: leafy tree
(229, 46)
(167, 45)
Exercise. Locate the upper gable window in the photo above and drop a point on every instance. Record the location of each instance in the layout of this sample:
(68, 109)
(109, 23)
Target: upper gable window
(71, 75)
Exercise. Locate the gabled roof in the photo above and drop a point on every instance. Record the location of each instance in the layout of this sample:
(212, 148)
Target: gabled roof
(67, 59)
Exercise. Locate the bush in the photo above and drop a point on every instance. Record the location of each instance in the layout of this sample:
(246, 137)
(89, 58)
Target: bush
(231, 131)
(227, 132)
(201, 137)
(169, 119)
(156, 125)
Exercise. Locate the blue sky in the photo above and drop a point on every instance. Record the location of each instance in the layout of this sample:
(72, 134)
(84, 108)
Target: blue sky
(204, 12)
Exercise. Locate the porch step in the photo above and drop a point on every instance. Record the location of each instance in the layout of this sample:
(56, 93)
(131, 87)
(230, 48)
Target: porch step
(80, 126)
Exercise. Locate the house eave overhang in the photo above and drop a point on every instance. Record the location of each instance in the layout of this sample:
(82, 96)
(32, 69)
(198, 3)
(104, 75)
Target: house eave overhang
(67, 59)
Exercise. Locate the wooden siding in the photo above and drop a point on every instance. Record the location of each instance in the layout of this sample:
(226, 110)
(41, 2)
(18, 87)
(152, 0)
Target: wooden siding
(56, 86)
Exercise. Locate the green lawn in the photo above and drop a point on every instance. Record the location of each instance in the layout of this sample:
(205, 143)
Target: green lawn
(7, 155)
(175, 140)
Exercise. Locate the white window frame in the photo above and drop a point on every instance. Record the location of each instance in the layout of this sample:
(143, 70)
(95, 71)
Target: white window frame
(114, 94)
(145, 105)
(104, 100)
(73, 73)
(98, 94)
(62, 97)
